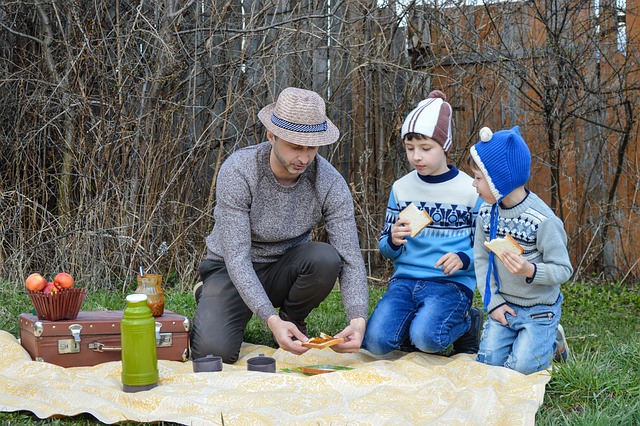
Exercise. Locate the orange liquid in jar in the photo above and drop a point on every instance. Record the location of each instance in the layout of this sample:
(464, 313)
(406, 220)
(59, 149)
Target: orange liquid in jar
(157, 308)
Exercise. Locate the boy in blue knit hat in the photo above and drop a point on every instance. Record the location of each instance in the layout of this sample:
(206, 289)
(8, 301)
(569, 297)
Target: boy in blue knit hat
(521, 293)
(427, 305)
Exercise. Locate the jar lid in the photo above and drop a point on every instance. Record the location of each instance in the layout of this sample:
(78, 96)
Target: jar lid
(135, 298)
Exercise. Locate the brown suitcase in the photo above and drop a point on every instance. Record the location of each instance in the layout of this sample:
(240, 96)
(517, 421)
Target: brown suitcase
(94, 337)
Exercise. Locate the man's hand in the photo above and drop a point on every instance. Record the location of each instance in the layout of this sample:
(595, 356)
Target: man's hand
(284, 332)
(518, 265)
(498, 314)
(450, 263)
(399, 231)
(353, 335)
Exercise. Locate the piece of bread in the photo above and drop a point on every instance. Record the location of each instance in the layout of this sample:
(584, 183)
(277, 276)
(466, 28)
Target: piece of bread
(324, 341)
(418, 219)
(500, 245)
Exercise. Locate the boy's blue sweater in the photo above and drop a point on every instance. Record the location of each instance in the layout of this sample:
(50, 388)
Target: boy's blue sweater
(452, 203)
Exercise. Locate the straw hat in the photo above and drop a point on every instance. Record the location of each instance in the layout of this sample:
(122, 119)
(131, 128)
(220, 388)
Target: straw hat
(299, 117)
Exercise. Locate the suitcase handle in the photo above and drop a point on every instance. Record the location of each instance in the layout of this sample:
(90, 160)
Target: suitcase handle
(100, 347)
(161, 340)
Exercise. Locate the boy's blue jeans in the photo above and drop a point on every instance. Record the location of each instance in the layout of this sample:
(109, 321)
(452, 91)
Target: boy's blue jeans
(432, 314)
(527, 343)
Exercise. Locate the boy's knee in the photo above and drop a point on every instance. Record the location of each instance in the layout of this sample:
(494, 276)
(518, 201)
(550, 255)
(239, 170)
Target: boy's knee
(375, 346)
(429, 345)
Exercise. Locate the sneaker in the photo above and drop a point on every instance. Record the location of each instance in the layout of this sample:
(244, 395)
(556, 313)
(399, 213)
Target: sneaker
(469, 342)
(302, 326)
(197, 291)
(561, 353)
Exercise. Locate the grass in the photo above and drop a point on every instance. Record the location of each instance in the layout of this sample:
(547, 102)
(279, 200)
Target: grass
(600, 386)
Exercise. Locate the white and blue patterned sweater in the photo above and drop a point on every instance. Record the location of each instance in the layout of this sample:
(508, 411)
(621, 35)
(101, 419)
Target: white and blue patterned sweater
(541, 233)
(452, 203)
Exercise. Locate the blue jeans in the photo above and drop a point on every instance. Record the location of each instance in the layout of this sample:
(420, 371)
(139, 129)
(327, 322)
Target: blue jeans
(527, 343)
(432, 315)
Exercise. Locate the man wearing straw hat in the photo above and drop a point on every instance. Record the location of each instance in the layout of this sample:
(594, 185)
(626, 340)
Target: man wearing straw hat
(260, 255)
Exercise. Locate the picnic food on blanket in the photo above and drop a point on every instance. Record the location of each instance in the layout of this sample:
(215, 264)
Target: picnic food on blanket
(418, 219)
(312, 370)
(500, 245)
(324, 341)
(35, 282)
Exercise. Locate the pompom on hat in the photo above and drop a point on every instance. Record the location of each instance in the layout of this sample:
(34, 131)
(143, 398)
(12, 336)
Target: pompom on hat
(431, 118)
(299, 116)
(504, 159)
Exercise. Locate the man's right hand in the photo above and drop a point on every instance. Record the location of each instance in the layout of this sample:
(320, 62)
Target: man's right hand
(285, 332)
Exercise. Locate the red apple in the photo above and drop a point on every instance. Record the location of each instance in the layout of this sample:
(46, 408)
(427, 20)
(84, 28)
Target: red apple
(35, 282)
(63, 280)
(50, 288)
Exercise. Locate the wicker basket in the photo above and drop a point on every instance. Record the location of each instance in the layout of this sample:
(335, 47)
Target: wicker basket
(64, 304)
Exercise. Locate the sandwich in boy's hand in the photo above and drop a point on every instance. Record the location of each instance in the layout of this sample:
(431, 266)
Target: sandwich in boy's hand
(418, 219)
(500, 245)
(324, 341)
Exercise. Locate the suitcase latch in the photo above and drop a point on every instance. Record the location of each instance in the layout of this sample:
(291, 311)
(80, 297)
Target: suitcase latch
(75, 331)
(163, 340)
(71, 346)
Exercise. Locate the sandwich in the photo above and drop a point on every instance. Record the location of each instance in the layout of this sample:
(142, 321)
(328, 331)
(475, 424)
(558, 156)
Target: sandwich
(324, 341)
(500, 245)
(418, 219)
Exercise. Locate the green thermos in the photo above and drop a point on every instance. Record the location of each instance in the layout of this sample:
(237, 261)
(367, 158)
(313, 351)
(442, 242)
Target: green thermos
(138, 341)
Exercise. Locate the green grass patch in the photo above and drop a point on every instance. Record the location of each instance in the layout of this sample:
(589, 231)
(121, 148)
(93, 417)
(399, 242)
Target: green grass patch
(599, 386)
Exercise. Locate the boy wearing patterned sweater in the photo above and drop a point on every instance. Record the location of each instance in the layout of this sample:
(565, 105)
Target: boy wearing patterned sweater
(521, 293)
(427, 305)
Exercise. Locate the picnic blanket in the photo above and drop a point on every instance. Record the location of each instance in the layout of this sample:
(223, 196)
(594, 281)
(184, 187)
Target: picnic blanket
(400, 388)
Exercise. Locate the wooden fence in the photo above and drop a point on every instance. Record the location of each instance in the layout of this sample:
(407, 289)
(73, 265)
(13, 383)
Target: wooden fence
(116, 116)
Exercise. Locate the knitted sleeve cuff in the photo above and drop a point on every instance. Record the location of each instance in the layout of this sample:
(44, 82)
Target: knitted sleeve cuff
(466, 261)
(535, 270)
(391, 245)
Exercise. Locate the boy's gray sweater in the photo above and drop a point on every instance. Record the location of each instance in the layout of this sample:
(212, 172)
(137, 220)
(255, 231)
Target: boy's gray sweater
(258, 220)
(541, 233)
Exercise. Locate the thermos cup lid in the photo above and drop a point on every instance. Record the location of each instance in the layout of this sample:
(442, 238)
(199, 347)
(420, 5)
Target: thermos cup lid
(135, 298)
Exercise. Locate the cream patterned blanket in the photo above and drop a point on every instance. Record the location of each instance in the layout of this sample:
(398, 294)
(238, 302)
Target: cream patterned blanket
(399, 389)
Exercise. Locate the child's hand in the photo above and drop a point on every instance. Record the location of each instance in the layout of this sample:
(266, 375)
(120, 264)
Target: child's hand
(518, 264)
(400, 230)
(498, 314)
(450, 263)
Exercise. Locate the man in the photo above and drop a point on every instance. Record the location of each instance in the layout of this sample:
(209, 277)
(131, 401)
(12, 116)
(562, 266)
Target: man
(259, 256)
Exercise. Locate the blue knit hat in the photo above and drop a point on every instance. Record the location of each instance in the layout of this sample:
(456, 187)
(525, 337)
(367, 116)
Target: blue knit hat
(505, 161)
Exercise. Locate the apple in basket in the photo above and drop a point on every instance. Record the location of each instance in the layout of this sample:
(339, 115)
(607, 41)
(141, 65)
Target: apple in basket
(36, 282)
(50, 288)
(63, 280)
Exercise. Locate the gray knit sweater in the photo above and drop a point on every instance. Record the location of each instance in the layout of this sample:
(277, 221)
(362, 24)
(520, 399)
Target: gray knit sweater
(541, 233)
(258, 220)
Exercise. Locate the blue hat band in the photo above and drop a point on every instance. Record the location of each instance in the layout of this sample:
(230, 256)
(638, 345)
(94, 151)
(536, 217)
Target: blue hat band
(299, 128)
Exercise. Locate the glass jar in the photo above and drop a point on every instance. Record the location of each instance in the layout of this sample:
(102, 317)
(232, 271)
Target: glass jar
(149, 284)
